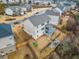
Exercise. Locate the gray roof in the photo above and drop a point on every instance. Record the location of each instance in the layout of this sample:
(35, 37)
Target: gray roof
(18, 7)
(14, 8)
(39, 19)
(52, 12)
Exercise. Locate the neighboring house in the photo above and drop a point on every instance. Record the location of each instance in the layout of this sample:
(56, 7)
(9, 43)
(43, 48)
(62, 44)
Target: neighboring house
(54, 15)
(14, 1)
(65, 6)
(7, 43)
(12, 10)
(42, 2)
(28, 7)
(35, 25)
(71, 4)
(18, 10)
(8, 1)
(61, 9)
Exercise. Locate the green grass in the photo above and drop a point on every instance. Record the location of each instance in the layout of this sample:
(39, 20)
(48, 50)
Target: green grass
(35, 44)
(77, 17)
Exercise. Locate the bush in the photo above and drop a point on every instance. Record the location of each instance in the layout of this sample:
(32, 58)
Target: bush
(2, 8)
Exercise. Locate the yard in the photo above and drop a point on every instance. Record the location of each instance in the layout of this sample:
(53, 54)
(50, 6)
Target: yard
(77, 18)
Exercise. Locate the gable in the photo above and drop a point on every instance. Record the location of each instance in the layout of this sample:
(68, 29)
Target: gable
(29, 27)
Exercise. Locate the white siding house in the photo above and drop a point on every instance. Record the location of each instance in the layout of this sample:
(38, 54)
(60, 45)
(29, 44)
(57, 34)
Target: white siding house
(9, 11)
(12, 10)
(7, 43)
(35, 25)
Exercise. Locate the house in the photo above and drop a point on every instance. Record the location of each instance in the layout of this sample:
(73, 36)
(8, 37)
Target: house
(12, 10)
(54, 15)
(65, 6)
(7, 1)
(42, 2)
(23, 1)
(14, 1)
(71, 4)
(18, 10)
(28, 7)
(62, 8)
(7, 43)
(35, 25)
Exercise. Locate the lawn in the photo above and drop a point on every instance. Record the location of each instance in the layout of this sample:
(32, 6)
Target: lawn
(77, 18)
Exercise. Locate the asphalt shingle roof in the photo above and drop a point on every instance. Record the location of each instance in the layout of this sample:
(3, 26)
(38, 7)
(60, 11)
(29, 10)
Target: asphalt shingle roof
(52, 12)
(39, 19)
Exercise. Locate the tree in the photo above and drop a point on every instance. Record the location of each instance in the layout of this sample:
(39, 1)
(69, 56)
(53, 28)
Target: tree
(67, 49)
(2, 8)
(76, 19)
(76, 57)
(71, 24)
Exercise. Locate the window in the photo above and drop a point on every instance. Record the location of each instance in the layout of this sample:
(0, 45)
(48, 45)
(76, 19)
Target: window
(37, 35)
(42, 28)
(37, 31)
(46, 31)
(47, 21)
(42, 24)
(37, 26)
(47, 28)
